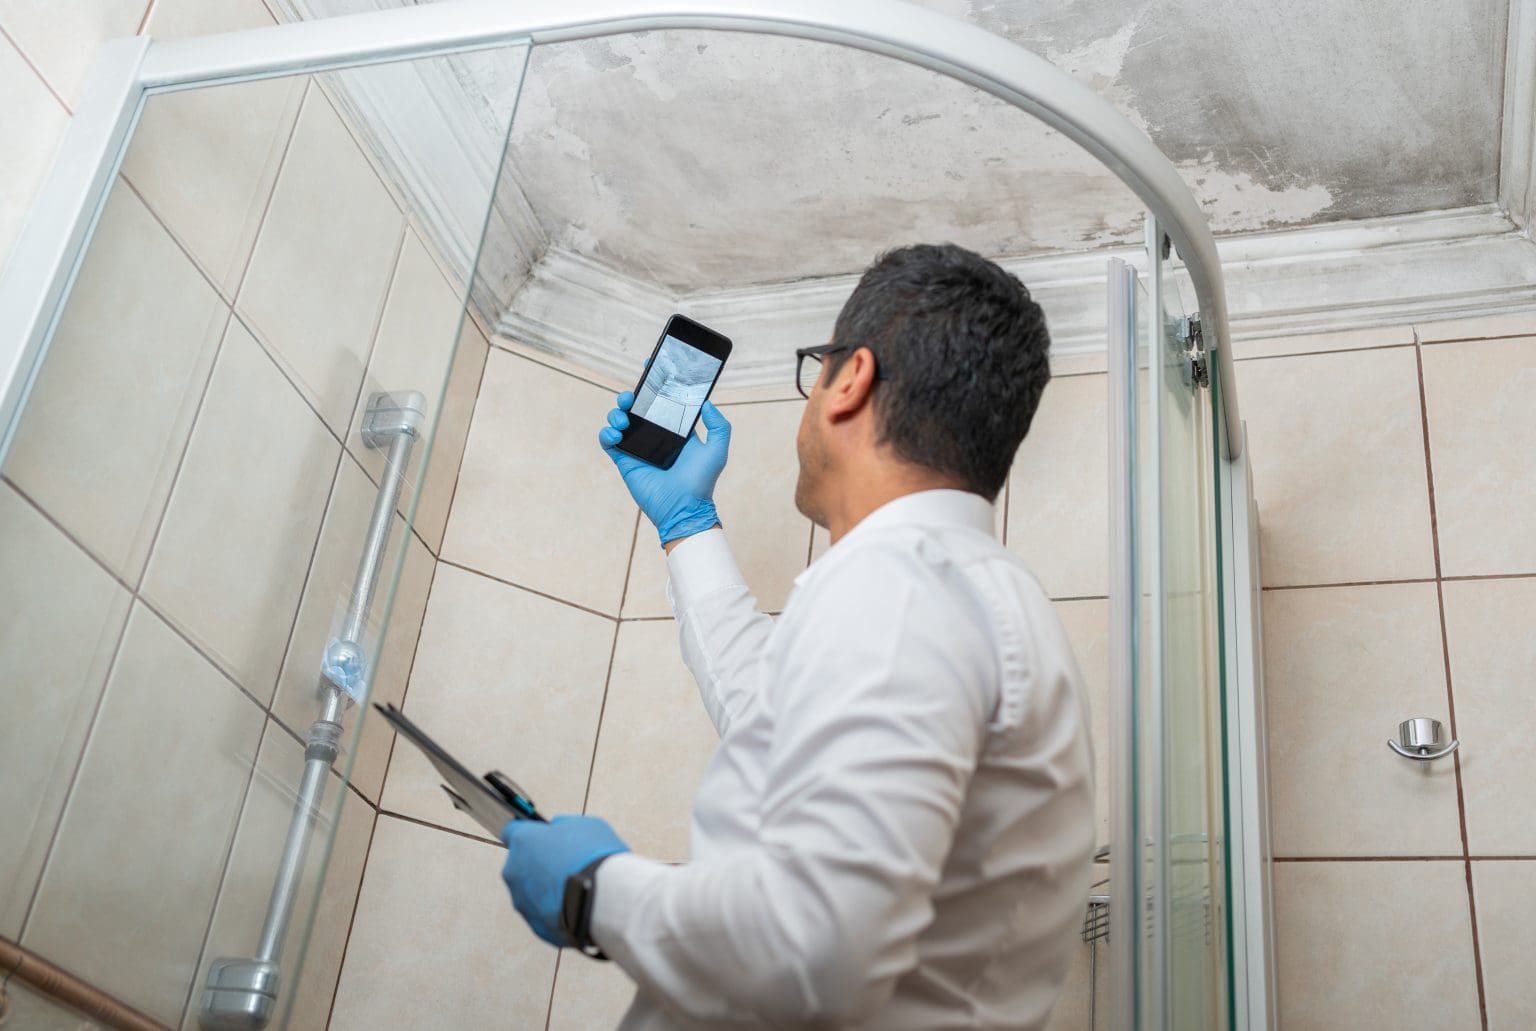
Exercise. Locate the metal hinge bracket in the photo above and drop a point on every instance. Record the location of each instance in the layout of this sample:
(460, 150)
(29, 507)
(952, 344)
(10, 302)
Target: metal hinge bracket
(1197, 368)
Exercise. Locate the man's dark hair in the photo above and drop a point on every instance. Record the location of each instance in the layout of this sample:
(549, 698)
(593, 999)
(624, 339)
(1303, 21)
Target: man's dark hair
(961, 349)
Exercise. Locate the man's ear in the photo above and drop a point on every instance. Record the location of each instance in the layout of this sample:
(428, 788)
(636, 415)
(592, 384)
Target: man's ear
(851, 389)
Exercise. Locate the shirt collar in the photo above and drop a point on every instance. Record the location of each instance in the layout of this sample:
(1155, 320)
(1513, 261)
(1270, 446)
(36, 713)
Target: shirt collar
(931, 508)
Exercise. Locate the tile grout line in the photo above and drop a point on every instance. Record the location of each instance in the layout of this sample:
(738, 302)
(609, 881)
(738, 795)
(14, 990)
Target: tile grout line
(1450, 693)
(429, 825)
(491, 340)
(229, 852)
(216, 664)
(1406, 859)
(634, 540)
(357, 900)
(333, 490)
(149, 9)
(469, 426)
(299, 740)
(554, 979)
(613, 651)
(230, 318)
(1352, 583)
(389, 757)
(74, 774)
(517, 586)
(43, 79)
(1335, 350)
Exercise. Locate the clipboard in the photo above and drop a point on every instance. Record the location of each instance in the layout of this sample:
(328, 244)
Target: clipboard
(490, 801)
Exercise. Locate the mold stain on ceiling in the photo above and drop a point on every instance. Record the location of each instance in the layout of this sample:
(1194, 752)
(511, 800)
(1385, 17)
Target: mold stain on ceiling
(711, 160)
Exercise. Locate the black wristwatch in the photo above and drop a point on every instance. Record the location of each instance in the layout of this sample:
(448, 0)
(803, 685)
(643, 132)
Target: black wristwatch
(576, 909)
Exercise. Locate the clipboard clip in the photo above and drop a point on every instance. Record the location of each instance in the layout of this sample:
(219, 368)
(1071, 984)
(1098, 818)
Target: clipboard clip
(506, 788)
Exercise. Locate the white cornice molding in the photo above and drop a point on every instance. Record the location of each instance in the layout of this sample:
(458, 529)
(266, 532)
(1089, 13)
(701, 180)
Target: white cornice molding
(1517, 145)
(1354, 275)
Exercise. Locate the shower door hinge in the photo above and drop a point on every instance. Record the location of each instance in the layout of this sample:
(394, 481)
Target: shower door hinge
(1197, 369)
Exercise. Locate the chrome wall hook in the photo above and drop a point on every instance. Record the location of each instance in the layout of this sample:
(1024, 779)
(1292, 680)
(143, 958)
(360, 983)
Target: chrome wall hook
(1420, 740)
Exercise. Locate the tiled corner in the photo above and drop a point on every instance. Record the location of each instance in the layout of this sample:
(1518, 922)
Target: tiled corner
(322, 262)
(1350, 946)
(436, 942)
(1492, 644)
(756, 501)
(205, 159)
(32, 123)
(327, 596)
(538, 502)
(114, 401)
(653, 709)
(129, 887)
(1058, 503)
(1507, 941)
(60, 619)
(588, 994)
(506, 680)
(1342, 667)
(229, 565)
(62, 39)
(1087, 626)
(252, 868)
(413, 350)
(452, 432)
(1338, 465)
(1482, 422)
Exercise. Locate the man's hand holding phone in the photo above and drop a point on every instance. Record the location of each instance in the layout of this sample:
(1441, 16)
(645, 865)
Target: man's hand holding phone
(679, 501)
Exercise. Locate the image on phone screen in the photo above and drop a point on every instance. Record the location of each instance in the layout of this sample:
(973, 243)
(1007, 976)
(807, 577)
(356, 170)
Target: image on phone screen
(676, 386)
(683, 369)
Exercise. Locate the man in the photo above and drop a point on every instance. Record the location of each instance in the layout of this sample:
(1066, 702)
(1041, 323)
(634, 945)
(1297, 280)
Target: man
(896, 828)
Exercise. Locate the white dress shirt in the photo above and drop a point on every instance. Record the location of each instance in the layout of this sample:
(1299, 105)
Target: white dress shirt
(896, 829)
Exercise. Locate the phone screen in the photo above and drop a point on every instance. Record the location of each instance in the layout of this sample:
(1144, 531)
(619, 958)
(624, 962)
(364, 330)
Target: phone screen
(682, 371)
(675, 386)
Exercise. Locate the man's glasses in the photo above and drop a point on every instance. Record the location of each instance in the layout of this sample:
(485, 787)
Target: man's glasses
(808, 372)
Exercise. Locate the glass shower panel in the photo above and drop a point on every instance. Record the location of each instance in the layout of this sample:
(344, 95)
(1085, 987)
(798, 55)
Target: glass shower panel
(199, 528)
(1187, 836)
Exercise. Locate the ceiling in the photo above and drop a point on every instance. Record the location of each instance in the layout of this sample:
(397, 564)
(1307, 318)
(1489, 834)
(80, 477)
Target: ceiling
(691, 162)
(696, 159)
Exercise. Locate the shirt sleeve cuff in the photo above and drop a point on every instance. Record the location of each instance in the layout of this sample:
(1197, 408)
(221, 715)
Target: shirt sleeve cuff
(698, 567)
(621, 881)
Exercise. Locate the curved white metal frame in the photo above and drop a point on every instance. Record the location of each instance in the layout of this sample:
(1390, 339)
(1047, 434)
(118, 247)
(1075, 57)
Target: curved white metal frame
(48, 250)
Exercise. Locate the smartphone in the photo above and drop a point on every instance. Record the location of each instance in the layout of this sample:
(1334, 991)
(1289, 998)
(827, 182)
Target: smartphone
(677, 381)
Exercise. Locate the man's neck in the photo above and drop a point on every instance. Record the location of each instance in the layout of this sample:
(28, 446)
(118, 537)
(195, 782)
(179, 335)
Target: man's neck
(872, 491)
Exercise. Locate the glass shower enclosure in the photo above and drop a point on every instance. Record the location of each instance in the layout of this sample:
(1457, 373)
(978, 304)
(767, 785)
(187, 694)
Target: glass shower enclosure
(218, 480)
(215, 487)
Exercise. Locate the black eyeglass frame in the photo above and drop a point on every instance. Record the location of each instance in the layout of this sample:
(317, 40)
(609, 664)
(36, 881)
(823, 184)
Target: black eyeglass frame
(818, 352)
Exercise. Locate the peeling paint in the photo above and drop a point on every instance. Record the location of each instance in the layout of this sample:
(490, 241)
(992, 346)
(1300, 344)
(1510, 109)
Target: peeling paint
(712, 159)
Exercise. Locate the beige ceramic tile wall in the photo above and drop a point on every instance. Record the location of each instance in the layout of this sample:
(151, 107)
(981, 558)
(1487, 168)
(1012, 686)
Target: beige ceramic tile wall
(1395, 484)
(209, 493)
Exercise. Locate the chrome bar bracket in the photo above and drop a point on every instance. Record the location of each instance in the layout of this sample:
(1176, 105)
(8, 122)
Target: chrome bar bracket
(390, 415)
(240, 995)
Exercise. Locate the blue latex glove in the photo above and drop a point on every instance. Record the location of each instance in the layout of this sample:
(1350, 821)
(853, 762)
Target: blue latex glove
(680, 500)
(540, 856)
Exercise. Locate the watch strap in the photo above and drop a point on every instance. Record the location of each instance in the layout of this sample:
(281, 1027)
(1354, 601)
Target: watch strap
(576, 911)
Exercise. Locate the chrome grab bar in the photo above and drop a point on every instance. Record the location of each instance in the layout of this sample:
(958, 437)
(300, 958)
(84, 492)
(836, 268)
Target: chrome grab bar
(242, 992)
